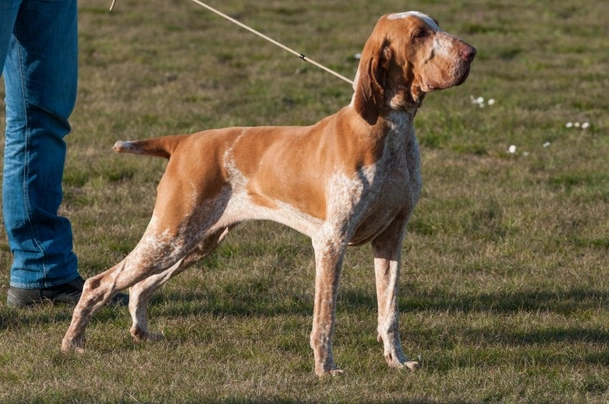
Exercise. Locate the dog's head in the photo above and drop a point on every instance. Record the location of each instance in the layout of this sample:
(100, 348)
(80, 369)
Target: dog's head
(407, 56)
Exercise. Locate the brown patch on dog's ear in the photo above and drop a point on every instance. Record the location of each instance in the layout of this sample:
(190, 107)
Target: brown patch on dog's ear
(371, 79)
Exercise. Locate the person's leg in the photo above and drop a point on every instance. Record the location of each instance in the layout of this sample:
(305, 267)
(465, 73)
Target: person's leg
(41, 79)
(8, 14)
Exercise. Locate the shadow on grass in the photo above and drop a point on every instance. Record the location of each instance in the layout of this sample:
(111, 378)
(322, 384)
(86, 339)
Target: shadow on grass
(47, 313)
(219, 304)
(269, 304)
(350, 301)
(564, 302)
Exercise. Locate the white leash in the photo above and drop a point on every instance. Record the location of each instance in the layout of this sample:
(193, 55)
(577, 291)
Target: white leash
(300, 55)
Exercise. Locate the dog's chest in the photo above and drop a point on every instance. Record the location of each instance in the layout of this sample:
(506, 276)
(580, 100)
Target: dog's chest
(392, 187)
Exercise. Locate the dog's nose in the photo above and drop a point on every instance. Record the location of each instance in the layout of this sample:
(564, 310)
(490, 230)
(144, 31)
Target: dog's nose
(467, 53)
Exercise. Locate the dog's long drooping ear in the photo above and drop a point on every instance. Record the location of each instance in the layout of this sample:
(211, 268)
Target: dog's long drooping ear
(371, 77)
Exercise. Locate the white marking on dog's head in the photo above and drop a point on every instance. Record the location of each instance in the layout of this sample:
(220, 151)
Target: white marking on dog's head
(428, 20)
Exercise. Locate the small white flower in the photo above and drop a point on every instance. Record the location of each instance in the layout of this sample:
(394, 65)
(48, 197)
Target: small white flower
(585, 125)
(576, 124)
(569, 125)
(512, 149)
(491, 101)
(546, 144)
(480, 100)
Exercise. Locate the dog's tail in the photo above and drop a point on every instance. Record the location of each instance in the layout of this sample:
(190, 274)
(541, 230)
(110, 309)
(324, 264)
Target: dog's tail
(161, 146)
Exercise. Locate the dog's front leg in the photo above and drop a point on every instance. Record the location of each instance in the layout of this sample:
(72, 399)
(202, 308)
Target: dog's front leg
(387, 251)
(328, 262)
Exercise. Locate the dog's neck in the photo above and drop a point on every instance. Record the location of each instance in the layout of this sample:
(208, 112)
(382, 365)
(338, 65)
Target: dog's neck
(402, 101)
(400, 123)
(396, 130)
(407, 97)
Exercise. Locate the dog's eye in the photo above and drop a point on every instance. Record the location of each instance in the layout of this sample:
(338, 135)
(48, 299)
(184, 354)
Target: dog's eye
(421, 33)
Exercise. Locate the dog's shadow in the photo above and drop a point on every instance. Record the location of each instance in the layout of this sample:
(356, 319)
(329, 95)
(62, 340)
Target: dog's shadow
(176, 304)
(536, 303)
(414, 301)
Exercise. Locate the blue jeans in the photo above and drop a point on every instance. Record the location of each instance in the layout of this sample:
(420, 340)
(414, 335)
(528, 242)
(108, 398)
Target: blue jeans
(39, 53)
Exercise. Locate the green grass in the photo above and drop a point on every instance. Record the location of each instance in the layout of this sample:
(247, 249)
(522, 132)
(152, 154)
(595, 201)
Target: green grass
(504, 288)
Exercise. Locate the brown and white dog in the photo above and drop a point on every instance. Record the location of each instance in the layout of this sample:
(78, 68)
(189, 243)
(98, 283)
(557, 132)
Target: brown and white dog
(352, 178)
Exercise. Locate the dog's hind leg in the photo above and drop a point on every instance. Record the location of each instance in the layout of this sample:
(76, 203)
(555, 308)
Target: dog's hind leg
(155, 253)
(141, 292)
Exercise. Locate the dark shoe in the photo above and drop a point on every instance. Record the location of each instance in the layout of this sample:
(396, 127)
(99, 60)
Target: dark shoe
(65, 293)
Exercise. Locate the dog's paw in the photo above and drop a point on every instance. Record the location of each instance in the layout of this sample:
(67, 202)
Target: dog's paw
(140, 335)
(331, 373)
(73, 345)
(400, 361)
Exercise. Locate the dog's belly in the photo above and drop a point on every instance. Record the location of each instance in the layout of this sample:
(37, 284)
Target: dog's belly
(243, 206)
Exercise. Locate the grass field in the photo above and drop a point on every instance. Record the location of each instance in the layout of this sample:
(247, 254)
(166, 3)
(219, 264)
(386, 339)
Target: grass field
(505, 285)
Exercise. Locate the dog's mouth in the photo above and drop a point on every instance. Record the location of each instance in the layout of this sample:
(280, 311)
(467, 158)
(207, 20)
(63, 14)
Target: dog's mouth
(464, 76)
(429, 85)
